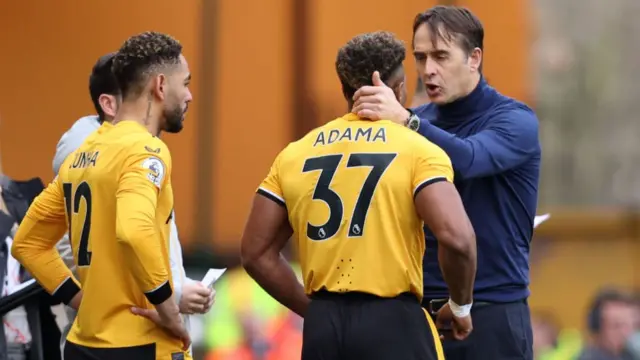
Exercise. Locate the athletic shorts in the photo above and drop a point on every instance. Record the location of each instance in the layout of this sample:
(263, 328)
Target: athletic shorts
(345, 326)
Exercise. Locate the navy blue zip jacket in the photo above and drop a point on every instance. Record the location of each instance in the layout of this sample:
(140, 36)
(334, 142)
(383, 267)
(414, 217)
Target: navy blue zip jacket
(493, 144)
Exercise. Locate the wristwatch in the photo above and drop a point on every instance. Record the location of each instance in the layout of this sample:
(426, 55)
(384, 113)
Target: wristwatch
(413, 121)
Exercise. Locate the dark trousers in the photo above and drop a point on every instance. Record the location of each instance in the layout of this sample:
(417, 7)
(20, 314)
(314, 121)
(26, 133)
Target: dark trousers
(500, 332)
(356, 326)
(78, 352)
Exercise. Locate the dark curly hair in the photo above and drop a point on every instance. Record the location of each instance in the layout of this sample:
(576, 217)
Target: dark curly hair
(142, 55)
(357, 60)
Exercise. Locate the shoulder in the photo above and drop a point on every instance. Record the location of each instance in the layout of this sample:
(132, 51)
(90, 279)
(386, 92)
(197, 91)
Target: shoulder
(79, 131)
(153, 155)
(512, 111)
(413, 140)
(73, 138)
(291, 153)
(301, 146)
(297, 151)
(423, 148)
(426, 111)
(86, 123)
(310, 138)
(416, 146)
(150, 146)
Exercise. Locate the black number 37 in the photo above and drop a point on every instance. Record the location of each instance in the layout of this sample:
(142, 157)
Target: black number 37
(72, 202)
(328, 165)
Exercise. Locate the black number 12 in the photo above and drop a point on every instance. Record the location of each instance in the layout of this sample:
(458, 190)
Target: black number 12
(73, 207)
(328, 166)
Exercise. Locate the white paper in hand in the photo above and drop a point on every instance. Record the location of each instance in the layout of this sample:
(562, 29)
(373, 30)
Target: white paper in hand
(540, 219)
(212, 276)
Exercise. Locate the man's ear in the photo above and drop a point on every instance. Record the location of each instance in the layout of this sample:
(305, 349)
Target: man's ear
(159, 87)
(475, 59)
(109, 104)
(400, 90)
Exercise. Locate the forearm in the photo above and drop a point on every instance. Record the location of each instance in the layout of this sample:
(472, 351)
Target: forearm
(33, 248)
(458, 266)
(168, 309)
(141, 243)
(55, 277)
(144, 260)
(142, 253)
(66, 252)
(274, 274)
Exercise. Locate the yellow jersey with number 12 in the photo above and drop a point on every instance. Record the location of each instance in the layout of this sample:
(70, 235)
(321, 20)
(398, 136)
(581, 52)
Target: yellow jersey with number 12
(115, 195)
(349, 189)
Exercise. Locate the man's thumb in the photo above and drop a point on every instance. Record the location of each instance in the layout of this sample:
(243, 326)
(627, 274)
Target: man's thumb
(377, 81)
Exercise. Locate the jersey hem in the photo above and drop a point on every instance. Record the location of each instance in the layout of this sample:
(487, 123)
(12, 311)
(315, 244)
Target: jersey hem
(426, 183)
(271, 196)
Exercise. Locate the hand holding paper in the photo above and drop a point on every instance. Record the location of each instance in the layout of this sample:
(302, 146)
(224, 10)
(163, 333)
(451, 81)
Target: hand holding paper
(212, 276)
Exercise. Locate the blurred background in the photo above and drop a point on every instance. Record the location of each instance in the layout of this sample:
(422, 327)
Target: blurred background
(263, 75)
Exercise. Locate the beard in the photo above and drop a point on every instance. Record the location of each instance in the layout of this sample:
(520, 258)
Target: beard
(173, 119)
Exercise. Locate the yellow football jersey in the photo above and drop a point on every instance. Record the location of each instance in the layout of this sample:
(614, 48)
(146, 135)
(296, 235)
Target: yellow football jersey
(349, 189)
(114, 194)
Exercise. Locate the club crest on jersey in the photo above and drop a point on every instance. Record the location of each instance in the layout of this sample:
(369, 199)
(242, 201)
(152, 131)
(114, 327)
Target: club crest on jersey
(156, 170)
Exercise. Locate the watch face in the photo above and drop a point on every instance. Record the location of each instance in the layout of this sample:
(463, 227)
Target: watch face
(414, 123)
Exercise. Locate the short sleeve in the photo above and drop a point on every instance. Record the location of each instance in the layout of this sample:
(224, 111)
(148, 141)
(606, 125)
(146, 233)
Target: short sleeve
(431, 165)
(271, 187)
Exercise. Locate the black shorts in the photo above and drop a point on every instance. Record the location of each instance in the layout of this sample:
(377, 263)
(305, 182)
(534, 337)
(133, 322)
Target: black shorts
(362, 326)
(78, 352)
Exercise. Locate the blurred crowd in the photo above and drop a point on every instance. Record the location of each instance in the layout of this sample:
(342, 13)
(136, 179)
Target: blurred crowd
(246, 323)
(613, 330)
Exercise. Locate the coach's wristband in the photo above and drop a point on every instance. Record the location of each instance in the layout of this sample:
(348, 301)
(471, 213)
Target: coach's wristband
(460, 310)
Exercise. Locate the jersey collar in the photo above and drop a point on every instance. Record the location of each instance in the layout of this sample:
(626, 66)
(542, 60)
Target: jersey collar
(351, 117)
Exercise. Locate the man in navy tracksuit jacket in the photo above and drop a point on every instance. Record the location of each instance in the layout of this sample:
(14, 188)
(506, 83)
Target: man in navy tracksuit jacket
(493, 144)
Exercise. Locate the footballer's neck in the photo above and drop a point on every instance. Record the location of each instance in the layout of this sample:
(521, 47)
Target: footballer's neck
(349, 105)
(141, 111)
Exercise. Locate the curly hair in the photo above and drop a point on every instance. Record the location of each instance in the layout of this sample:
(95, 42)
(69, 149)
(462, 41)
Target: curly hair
(142, 55)
(358, 59)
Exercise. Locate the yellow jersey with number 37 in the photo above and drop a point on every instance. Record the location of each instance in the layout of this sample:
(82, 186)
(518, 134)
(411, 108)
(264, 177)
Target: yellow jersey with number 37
(349, 189)
(114, 194)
